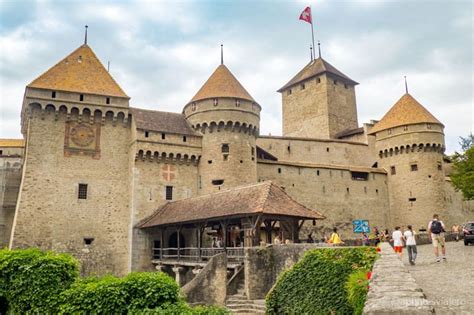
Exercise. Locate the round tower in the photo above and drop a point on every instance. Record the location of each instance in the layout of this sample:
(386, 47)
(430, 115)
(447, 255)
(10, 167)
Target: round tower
(228, 119)
(410, 146)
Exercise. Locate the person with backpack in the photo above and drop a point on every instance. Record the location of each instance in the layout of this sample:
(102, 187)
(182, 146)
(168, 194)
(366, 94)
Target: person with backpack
(411, 244)
(436, 231)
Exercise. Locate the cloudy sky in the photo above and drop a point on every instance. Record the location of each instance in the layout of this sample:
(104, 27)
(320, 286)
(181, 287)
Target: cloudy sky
(161, 52)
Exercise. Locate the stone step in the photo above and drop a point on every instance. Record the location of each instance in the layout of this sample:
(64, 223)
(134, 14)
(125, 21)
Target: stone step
(237, 296)
(245, 305)
(246, 311)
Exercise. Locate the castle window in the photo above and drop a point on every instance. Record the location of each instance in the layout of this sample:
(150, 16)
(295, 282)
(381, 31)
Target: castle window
(411, 199)
(107, 100)
(163, 136)
(225, 148)
(360, 175)
(237, 103)
(193, 107)
(216, 102)
(289, 92)
(81, 97)
(335, 82)
(327, 149)
(389, 131)
(317, 172)
(147, 134)
(279, 170)
(184, 139)
(347, 189)
(303, 86)
(217, 182)
(209, 162)
(405, 128)
(88, 240)
(225, 157)
(252, 151)
(428, 126)
(1, 152)
(414, 167)
(393, 171)
(318, 80)
(345, 86)
(169, 193)
(53, 94)
(82, 191)
(289, 149)
(440, 166)
(376, 191)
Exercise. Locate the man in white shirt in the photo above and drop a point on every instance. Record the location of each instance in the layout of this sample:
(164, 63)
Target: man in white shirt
(436, 229)
(409, 236)
(397, 238)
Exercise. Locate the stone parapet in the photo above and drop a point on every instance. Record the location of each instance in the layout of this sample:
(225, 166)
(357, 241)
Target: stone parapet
(393, 290)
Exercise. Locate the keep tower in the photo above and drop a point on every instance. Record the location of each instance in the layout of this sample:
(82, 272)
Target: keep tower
(410, 146)
(228, 119)
(318, 102)
(74, 195)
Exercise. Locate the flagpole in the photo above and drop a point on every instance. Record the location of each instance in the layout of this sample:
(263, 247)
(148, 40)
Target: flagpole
(312, 31)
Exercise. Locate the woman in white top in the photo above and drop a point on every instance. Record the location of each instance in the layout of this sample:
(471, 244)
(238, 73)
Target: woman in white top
(411, 244)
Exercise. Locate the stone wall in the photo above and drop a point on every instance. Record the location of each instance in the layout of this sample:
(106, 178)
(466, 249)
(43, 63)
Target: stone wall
(263, 265)
(210, 284)
(333, 192)
(393, 290)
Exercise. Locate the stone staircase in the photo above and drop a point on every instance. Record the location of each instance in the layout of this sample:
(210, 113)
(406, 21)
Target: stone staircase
(239, 304)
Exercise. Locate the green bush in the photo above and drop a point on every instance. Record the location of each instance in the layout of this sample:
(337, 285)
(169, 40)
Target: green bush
(357, 287)
(31, 280)
(316, 284)
(182, 308)
(135, 292)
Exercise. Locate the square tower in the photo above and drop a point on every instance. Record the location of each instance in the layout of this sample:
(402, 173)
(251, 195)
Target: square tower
(319, 102)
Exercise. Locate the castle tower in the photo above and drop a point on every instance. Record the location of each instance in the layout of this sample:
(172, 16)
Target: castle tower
(228, 119)
(74, 194)
(410, 145)
(319, 102)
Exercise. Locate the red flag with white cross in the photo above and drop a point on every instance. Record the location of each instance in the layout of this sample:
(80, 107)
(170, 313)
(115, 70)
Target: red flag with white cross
(306, 15)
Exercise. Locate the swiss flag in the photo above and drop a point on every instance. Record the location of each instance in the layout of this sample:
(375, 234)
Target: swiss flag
(306, 15)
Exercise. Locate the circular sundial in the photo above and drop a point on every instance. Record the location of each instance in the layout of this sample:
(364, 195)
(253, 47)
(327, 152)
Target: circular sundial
(82, 135)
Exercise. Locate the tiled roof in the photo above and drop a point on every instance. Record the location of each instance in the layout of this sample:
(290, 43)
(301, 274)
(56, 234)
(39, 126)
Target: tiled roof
(406, 111)
(153, 120)
(15, 143)
(315, 68)
(80, 72)
(351, 168)
(349, 132)
(255, 199)
(222, 83)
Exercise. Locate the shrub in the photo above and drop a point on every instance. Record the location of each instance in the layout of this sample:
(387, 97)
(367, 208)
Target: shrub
(357, 287)
(31, 280)
(135, 292)
(316, 284)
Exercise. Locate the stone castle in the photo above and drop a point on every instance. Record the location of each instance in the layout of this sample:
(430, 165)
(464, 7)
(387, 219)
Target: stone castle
(92, 168)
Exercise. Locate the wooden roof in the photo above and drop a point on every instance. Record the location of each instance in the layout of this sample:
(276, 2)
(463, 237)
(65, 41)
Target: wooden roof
(263, 198)
(12, 143)
(82, 72)
(153, 120)
(222, 83)
(406, 111)
(315, 68)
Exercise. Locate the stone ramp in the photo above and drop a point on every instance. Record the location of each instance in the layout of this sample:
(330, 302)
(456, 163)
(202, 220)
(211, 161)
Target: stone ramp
(393, 290)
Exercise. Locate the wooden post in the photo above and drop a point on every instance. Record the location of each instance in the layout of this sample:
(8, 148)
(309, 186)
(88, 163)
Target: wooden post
(178, 239)
(224, 228)
(161, 243)
(268, 230)
(199, 241)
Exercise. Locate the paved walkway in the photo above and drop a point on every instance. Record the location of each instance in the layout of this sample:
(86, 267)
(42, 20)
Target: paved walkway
(448, 285)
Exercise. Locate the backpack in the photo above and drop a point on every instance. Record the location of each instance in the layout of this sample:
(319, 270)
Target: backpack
(436, 227)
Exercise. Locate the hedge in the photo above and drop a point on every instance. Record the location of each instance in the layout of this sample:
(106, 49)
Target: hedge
(31, 280)
(317, 283)
(135, 292)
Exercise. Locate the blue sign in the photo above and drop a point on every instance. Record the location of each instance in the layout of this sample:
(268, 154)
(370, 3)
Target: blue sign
(361, 226)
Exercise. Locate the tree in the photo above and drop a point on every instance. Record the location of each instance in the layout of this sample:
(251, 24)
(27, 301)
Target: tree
(463, 167)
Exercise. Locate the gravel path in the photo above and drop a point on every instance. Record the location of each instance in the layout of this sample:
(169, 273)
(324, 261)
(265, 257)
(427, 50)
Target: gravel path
(448, 285)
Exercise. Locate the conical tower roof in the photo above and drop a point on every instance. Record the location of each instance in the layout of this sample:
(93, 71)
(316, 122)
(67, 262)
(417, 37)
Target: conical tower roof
(314, 68)
(222, 83)
(81, 72)
(406, 111)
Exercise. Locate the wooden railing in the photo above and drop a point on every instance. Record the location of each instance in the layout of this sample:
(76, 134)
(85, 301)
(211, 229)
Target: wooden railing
(196, 254)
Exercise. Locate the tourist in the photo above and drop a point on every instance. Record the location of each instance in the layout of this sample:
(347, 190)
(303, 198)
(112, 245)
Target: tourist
(288, 241)
(365, 239)
(436, 232)
(335, 239)
(377, 236)
(411, 244)
(455, 230)
(397, 238)
(310, 238)
(214, 242)
(219, 243)
(277, 240)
